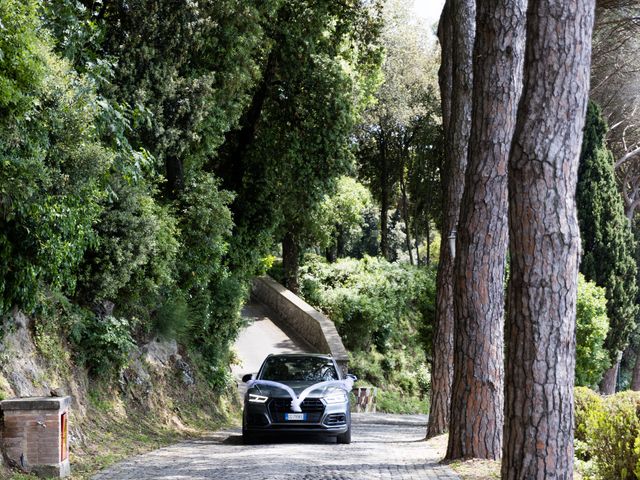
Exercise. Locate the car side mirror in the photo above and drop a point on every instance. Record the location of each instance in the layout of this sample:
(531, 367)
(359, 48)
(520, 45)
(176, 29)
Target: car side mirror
(247, 377)
(352, 377)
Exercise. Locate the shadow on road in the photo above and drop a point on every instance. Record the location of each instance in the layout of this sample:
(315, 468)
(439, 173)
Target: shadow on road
(282, 439)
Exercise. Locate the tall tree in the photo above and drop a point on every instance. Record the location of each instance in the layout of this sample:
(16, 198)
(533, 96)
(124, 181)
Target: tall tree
(294, 140)
(608, 244)
(476, 423)
(387, 136)
(456, 32)
(423, 177)
(614, 87)
(545, 241)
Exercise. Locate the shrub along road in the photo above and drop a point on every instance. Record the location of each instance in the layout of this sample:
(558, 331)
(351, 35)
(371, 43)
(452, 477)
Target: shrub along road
(384, 446)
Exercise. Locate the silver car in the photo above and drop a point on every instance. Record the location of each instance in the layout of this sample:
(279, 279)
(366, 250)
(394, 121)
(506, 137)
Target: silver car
(268, 409)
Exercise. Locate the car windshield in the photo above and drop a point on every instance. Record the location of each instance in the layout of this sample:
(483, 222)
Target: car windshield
(300, 369)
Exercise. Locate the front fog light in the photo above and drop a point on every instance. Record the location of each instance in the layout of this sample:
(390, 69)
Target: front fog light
(253, 398)
(336, 397)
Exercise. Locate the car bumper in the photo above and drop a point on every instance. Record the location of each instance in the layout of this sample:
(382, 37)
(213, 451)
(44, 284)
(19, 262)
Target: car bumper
(334, 419)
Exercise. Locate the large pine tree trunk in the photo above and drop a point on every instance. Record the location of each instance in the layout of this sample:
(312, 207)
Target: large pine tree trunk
(545, 242)
(441, 368)
(475, 428)
(456, 32)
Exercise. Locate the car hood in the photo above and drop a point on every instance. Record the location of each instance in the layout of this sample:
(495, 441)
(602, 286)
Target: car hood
(297, 387)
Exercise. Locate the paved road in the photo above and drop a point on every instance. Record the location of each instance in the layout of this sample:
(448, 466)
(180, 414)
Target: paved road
(260, 338)
(383, 447)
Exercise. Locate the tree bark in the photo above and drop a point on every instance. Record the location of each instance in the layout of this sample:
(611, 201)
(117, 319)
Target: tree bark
(290, 261)
(384, 197)
(331, 253)
(475, 429)
(175, 176)
(545, 242)
(237, 142)
(416, 241)
(456, 32)
(340, 242)
(635, 379)
(405, 214)
(609, 380)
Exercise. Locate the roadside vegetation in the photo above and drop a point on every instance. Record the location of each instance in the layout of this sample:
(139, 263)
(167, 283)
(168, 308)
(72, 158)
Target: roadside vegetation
(382, 311)
(154, 159)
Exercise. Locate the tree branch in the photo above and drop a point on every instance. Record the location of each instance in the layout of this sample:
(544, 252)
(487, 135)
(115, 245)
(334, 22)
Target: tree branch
(628, 156)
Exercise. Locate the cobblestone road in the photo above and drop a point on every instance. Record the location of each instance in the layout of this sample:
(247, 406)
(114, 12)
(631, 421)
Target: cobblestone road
(383, 447)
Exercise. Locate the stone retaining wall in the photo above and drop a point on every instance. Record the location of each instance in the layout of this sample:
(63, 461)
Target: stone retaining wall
(312, 326)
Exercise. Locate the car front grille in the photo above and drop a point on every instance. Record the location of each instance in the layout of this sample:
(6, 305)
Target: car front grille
(313, 407)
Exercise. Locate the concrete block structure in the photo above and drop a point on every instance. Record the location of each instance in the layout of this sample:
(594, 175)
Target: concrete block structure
(35, 435)
(365, 399)
(307, 323)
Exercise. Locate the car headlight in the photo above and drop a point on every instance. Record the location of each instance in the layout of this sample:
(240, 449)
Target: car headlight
(336, 397)
(253, 398)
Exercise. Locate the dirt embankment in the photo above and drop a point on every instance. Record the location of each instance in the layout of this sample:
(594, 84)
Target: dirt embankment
(159, 398)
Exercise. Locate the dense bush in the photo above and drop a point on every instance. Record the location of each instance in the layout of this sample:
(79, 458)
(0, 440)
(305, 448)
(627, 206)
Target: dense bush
(50, 182)
(608, 433)
(104, 343)
(205, 228)
(374, 303)
(592, 325)
(136, 250)
(380, 310)
(586, 401)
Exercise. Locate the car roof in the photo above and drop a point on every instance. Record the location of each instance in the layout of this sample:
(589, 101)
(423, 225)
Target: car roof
(300, 355)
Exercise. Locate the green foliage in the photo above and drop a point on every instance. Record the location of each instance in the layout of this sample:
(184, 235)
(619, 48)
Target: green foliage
(286, 159)
(172, 319)
(400, 138)
(398, 402)
(609, 431)
(368, 299)
(607, 241)
(52, 169)
(205, 226)
(104, 343)
(21, 65)
(592, 326)
(586, 401)
(379, 308)
(134, 258)
(339, 217)
(151, 155)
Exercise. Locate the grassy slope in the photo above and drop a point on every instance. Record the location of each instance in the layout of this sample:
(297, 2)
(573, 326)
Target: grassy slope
(111, 422)
(114, 431)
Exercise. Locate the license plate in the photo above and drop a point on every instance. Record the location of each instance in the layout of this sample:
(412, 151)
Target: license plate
(295, 416)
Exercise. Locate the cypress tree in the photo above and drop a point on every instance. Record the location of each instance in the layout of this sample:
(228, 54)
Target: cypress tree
(608, 244)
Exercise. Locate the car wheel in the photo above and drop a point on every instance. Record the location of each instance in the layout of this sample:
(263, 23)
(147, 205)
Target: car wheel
(249, 438)
(345, 437)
